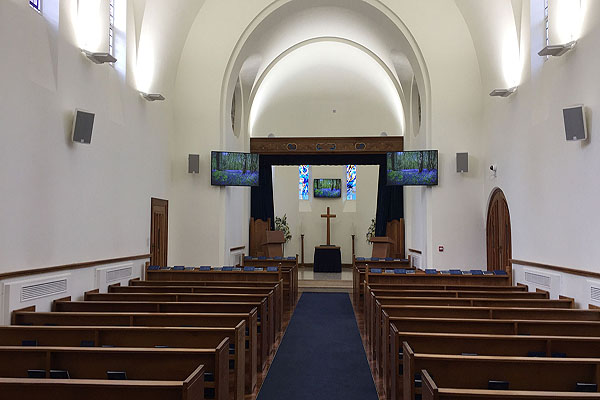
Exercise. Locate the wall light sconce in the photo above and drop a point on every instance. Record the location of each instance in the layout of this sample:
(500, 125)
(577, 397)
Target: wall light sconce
(557, 50)
(99, 58)
(152, 96)
(503, 92)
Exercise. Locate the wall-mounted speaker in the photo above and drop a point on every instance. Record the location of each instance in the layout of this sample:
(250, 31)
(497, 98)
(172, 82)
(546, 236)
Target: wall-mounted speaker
(575, 124)
(194, 163)
(83, 125)
(462, 162)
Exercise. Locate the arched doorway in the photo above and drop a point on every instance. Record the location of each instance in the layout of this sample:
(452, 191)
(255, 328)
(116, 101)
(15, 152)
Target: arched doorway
(499, 244)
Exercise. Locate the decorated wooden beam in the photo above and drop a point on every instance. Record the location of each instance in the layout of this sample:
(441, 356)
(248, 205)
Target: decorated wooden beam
(328, 145)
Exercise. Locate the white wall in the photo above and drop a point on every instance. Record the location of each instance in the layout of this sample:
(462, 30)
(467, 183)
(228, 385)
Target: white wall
(78, 281)
(327, 88)
(550, 184)
(452, 104)
(304, 216)
(61, 202)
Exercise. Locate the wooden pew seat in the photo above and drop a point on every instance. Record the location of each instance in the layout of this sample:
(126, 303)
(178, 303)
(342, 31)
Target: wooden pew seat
(431, 391)
(192, 388)
(139, 364)
(98, 336)
(474, 372)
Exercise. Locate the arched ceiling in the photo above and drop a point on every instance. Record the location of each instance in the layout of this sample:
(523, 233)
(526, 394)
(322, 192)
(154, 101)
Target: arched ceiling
(162, 28)
(327, 88)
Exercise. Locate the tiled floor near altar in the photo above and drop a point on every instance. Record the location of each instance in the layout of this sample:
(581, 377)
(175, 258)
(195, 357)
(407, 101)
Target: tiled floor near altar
(307, 273)
(324, 281)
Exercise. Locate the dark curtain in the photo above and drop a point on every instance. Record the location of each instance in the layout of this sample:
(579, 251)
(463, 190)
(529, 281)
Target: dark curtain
(261, 197)
(390, 199)
(390, 202)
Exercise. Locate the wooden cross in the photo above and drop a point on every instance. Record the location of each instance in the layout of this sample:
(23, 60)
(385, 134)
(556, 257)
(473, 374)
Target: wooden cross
(328, 216)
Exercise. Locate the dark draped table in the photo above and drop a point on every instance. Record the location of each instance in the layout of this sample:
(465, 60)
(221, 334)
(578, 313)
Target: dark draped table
(328, 259)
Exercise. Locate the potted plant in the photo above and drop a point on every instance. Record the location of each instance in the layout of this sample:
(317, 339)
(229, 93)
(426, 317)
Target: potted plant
(282, 225)
(371, 231)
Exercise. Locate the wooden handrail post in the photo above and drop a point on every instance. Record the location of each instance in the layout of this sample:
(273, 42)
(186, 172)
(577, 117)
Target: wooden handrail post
(302, 248)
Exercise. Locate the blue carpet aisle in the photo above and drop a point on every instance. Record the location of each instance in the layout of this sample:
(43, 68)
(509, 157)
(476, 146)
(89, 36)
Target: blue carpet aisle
(321, 355)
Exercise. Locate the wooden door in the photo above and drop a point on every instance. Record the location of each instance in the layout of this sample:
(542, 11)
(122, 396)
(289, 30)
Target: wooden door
(159, 228)
(499, 247)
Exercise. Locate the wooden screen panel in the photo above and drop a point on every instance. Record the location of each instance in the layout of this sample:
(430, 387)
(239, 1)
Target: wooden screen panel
(395, 231)
(258, 235)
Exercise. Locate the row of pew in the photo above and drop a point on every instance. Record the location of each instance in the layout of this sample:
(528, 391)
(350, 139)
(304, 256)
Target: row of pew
(174, 335)
(475, 336)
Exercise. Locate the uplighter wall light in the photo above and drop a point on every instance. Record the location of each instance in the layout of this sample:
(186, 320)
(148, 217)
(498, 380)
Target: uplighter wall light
(152, 96)
(99, 58)
(557, 50)
(503, 92)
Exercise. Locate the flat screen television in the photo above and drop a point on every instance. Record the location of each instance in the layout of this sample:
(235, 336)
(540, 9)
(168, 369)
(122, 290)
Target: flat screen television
(233, 169)
(328, 188)
(412, 168)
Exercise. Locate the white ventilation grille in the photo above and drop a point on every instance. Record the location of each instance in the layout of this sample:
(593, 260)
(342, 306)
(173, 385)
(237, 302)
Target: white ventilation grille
(537, 279)
(39, 290)
(595, 293)
(118, 274)
(415, 260)
(235, 256)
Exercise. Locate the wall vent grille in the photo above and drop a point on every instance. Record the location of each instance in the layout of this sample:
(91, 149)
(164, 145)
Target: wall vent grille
(416, 260)
(118, 274)
(538, 279)
(595, 293)
(39, 290)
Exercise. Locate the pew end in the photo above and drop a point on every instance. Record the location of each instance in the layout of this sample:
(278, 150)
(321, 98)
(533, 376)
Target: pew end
(53, 307)
(430, 389)
(13, 315)
(86, 294)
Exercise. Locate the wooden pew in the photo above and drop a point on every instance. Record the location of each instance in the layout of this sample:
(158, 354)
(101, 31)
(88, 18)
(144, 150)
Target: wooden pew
(289, 267)
(217, 275)
(267, 317)
(277, 303)
(376, 324)
(375, 318)
(139, 364)
(261, 344)
(421, 278)
(98, 336)
(480, 326)
(213, 275)
(433, 286)
(191, 388)
(390, 313)
(360, 265)
(269, 314)
(387, 297)
(431, 391)
(522, 373)
(481, 344)
(276, 286)
(400, 286)
(150, 319)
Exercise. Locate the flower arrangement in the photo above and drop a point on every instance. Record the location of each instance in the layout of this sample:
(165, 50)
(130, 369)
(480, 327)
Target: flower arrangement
(282, 225)
(371, 231)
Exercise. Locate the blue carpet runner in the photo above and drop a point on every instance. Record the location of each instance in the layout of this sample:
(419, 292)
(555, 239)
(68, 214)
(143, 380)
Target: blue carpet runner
(321, 355)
